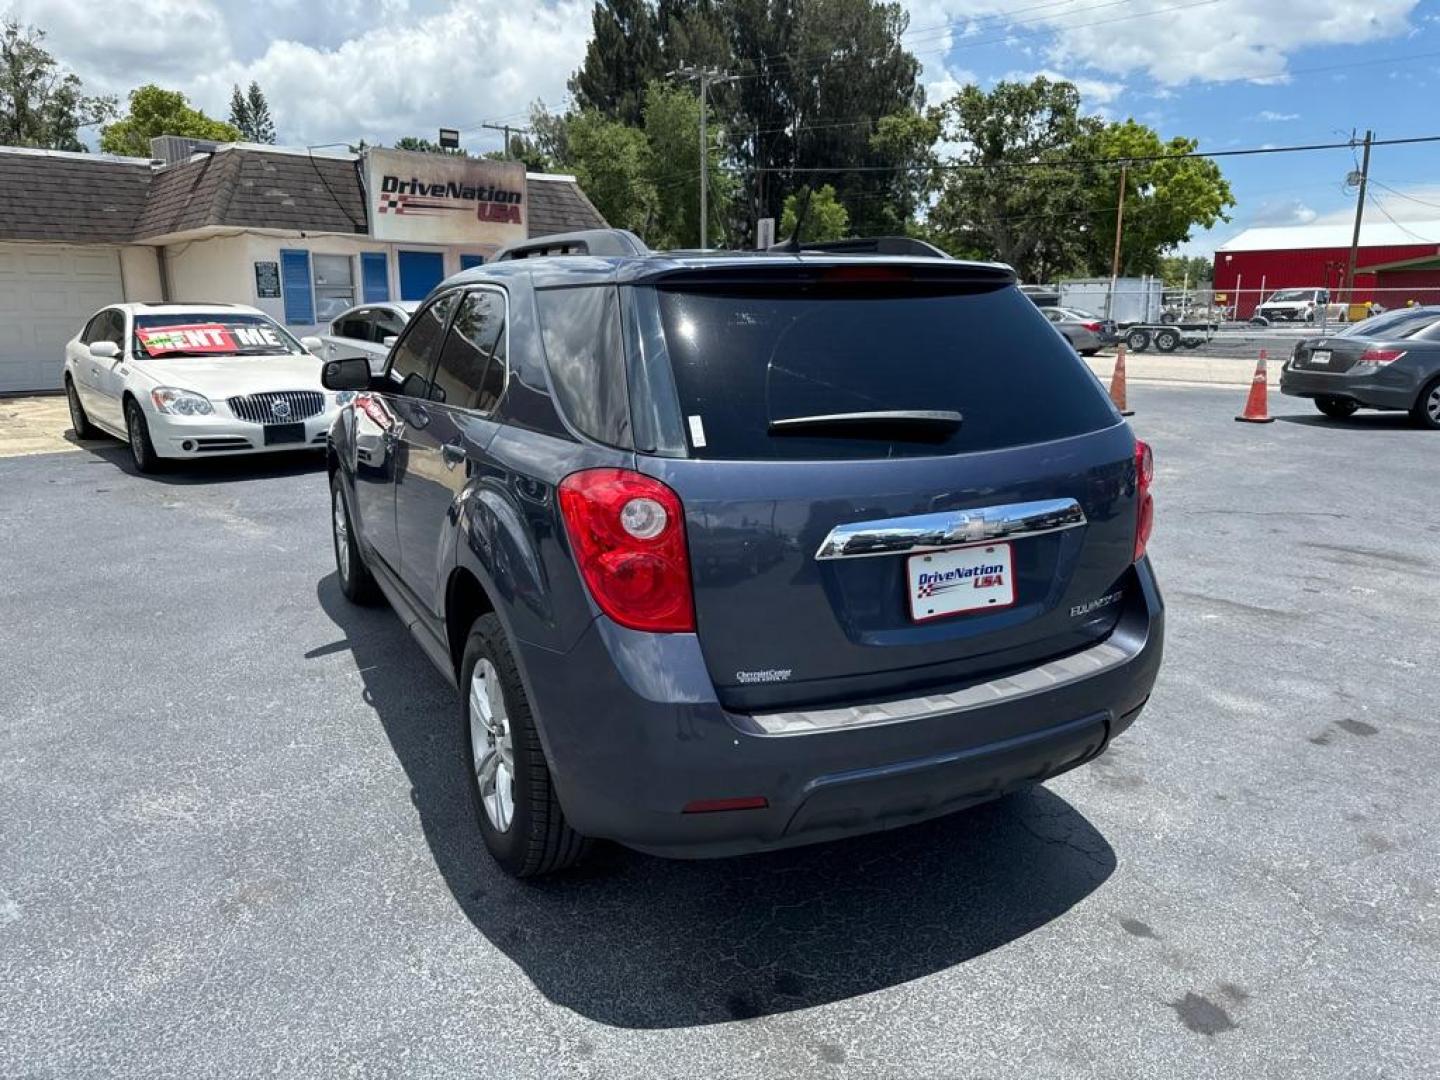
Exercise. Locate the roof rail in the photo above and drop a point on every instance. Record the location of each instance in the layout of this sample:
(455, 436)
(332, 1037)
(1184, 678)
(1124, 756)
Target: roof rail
(872, 245)
(586, 242)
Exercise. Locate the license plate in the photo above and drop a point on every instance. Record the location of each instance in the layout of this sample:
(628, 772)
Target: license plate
(959, 580)
(284, 433)
(1320, 358)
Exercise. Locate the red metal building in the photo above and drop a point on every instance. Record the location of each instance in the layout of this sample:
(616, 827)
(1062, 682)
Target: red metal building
(1396, 263)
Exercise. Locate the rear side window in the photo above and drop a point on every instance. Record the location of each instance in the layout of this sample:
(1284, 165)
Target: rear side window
(356, 326)
(746, 358)
(471, 373)
(580, 328)
(414, 354)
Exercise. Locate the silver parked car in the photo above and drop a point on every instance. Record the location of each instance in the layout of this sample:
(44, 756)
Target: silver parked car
(364, 330)
(1086, 332)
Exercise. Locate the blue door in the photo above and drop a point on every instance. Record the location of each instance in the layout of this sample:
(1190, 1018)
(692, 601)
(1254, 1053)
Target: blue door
(420, 271)
(295, 286)
(374, 277)
(467, 261)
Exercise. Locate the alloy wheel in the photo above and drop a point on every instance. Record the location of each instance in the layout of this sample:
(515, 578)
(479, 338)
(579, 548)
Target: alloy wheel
(491, 746)
(1432, 405)
(342, 537)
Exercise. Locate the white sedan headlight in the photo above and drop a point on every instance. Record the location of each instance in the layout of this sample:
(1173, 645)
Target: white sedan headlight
(169, 399)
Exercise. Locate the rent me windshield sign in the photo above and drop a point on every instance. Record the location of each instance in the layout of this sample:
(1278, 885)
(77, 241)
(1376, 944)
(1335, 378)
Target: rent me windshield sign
(206, 338)
(438, 199)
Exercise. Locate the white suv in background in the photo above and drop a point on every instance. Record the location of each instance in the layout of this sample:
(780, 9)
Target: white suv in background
(196, 380)
(367, 330)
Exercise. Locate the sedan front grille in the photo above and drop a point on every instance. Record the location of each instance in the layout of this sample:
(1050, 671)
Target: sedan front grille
(278, 406)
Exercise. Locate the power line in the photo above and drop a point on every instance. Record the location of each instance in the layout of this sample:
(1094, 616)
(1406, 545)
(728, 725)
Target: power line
(1373, 201)
(962, 166)
(1403, 195)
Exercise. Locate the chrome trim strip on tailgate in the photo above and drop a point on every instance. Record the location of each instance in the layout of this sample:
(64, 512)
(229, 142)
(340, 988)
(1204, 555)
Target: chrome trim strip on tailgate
(1049, 676)
(929, 532)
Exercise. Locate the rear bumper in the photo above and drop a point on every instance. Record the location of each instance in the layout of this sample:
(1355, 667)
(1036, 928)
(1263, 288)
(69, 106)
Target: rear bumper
(1385, 389)
(634, 733)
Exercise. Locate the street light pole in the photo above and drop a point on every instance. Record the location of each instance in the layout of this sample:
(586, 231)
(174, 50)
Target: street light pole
(705, 77)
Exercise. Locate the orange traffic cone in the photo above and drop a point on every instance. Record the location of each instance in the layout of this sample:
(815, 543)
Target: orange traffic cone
(1257, 405)
(1117, 383)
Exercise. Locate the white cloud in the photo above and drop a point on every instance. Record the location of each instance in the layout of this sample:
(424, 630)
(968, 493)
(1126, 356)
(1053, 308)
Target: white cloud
(1269, 116)
(1094, 93)
(1282, 212)
(333, 70)
(1411, 202)
(1172, 41)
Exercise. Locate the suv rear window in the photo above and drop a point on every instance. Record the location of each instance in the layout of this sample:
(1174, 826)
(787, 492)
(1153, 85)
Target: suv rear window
(746, 357)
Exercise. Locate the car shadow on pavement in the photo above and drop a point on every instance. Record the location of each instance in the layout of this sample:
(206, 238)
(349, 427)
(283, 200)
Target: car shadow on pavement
(1361, 421)
(640, 942)
(219, 470)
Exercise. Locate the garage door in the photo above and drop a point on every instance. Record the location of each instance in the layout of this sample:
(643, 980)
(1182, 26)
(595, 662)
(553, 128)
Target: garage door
(46, 293)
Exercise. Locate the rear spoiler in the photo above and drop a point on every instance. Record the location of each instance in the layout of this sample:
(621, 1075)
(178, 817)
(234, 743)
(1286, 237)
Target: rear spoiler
(842, 271)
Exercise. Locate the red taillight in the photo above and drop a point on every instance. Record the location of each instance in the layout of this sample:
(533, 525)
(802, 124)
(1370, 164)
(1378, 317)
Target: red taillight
(1381, 356)
(1145, 504)
(1093, 327)
(628, 534)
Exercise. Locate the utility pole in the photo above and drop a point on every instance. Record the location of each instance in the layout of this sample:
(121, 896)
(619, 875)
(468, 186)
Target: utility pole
(1119, 228)
(1359, 216)
(706, 77)
(507, 128)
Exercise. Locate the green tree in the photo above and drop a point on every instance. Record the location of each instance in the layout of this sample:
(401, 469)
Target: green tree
(825, 218)
(1164, 200)
(1177, 270)
(250, 114)
(42, 105)
(611, 162)
(809, 79)
(622, 58)
(906, 140)
(1003, 202)
(419, 145)
(672, 123)
(155, 112)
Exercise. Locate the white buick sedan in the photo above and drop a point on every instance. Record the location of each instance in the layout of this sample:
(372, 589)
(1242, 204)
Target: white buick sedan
(196, 380)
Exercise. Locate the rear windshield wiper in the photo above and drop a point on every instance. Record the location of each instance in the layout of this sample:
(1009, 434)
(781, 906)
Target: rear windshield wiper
(925, 422)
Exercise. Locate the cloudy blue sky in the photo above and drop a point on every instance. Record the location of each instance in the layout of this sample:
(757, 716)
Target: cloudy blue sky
(1232, 73)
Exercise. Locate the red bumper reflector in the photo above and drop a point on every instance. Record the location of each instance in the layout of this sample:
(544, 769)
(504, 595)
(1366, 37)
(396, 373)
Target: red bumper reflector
(710, 806)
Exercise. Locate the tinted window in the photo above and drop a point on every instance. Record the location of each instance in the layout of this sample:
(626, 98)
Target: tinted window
(414, 354)
(1391, 324)
(387, 324)
(580, 328)
(95, 328)
(746, 357)
(471, 373)
(114, 328)
(356, 326)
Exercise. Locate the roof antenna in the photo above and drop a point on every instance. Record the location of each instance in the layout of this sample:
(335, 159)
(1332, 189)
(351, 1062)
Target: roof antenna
(802, 208)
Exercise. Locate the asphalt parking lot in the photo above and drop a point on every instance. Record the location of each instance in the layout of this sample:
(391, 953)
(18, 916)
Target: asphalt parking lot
(233, 838)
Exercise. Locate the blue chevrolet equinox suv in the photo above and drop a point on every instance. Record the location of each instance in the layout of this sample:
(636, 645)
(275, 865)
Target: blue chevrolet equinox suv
(728, 552)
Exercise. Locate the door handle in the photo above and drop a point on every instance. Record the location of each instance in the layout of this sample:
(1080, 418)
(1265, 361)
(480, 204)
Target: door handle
(452, 453)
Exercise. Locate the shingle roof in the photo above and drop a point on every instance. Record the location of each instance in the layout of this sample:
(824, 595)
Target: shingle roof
(79, 198)
(248, 189)
(70, 197)
(558, 205)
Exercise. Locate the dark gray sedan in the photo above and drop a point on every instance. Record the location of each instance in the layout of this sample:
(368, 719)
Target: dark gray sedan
(1388, 362)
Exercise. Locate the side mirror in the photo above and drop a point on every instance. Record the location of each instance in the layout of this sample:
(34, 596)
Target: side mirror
(104, 350)
(312, 344)
(352, 373)
(389, 340)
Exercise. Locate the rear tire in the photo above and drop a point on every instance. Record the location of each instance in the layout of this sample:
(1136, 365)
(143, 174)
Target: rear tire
(1167, 340)
(142, 450)
(1427, 406)
(356, 581)
(79, 423)
(510, 786)
(1089, 352)
(1138, 340)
